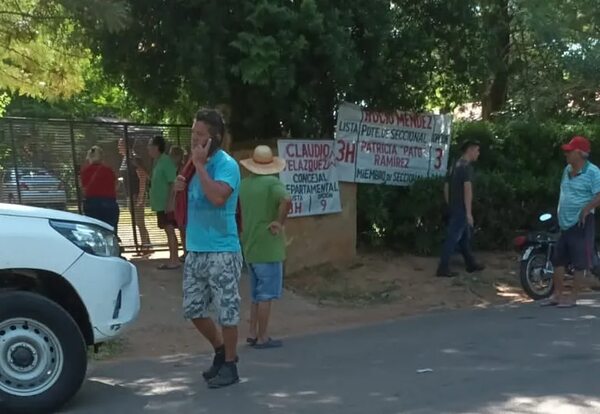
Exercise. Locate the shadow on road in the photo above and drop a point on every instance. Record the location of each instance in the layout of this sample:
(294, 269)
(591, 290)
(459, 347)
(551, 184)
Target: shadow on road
(504, 360)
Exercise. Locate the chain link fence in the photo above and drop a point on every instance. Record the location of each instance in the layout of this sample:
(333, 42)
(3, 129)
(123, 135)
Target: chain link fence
(40, 161)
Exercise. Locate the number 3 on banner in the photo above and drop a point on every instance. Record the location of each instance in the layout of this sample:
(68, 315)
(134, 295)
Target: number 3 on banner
(439, 154)
(323, 204)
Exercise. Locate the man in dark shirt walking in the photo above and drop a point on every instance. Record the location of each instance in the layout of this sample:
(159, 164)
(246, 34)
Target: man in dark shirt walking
(458, 193)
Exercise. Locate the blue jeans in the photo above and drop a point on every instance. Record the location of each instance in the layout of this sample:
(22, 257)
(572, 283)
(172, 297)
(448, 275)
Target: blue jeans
(459, 235)
(102, 208)
(266, 281)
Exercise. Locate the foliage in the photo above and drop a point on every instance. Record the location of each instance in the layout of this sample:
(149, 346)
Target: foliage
(4, 102)
(102, 96)
(517, 178)
(282, 67)
(555, 48)
(401, 218)
(522, 56)
(277, 66)
(42, 54)
(286, 65)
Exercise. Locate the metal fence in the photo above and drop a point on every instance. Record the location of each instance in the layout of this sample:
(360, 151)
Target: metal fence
(40, 161)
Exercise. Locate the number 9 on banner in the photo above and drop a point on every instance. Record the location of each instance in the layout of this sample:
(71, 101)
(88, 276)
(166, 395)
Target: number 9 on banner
(323, 204)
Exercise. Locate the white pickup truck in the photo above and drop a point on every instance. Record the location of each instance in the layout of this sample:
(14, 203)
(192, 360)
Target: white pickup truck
(63, 287)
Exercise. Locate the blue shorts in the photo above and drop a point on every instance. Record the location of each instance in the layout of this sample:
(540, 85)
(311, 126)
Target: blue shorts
(266, 281)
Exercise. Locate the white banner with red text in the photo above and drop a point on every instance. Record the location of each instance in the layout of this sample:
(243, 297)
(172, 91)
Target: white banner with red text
(394, 148)
(310, 176)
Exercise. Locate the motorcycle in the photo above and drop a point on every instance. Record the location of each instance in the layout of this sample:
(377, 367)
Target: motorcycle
(537, 248)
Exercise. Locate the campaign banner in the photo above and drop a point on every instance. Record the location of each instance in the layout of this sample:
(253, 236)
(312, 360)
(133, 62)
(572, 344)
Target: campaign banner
(394, 148)
(310, 176)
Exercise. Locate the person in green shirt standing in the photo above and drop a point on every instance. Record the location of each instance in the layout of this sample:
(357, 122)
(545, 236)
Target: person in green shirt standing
(164, 173)
(265, 204)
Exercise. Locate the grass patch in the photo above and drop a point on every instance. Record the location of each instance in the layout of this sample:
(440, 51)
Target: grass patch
(329, 285)
(108, 350)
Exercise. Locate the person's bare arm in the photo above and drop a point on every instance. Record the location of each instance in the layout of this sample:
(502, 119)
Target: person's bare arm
(469, 201)
(595, 203)
(138, 164)
(592, 205)
(282, 214)
(143, 177)
(284, 209)
(217, 192)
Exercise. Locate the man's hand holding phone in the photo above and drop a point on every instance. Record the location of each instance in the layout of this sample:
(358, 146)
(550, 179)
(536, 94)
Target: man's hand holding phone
(200, 154)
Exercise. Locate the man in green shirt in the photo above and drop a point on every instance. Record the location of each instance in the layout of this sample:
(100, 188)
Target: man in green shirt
(265, 205)
(164, 173)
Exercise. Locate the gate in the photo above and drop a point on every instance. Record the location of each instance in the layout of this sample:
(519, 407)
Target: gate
(40, 161)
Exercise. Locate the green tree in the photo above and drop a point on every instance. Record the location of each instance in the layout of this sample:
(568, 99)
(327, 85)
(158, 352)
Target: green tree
(277, 65)
(42, 50)
(534, 57)
(556, 61)
(274, 65)
(102, 96)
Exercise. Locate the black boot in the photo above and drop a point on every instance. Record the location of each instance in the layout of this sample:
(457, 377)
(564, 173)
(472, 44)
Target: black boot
(228, 375)
(217, 363)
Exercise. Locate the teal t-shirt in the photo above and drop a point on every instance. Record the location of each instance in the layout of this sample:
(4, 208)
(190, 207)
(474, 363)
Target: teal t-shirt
(213, 229)
(576, 192)
(260, 197)
(164, 173)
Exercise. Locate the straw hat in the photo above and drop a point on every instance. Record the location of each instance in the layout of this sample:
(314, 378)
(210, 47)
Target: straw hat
(263, 162)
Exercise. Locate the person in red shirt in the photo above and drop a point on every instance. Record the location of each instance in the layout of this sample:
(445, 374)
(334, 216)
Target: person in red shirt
(99, 184)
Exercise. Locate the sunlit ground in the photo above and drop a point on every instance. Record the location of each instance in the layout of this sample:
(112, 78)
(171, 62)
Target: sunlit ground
(572, 404)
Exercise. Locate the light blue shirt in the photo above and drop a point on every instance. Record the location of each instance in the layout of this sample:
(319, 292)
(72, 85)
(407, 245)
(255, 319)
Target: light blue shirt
(213, 229)
(577, 192)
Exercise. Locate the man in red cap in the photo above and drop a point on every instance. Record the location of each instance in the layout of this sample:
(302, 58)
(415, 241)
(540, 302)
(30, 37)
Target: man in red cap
(579, 196)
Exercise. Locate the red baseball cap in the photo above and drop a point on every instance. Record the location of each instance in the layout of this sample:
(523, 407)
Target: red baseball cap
(578, 144)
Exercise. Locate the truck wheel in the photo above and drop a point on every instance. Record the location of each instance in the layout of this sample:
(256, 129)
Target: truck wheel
(43, 358)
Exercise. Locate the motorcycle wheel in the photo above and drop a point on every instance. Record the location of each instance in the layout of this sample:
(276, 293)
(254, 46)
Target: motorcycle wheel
(531, 273)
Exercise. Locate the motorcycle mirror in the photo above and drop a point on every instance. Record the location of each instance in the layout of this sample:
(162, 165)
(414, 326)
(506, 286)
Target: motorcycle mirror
(545, 217)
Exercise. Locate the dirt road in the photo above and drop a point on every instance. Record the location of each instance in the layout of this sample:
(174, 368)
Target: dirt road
(331, 300)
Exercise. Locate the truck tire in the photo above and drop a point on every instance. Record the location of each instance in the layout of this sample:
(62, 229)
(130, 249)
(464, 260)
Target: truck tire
(43, 358)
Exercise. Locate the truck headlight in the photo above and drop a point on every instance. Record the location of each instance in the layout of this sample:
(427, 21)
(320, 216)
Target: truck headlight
(89, 238)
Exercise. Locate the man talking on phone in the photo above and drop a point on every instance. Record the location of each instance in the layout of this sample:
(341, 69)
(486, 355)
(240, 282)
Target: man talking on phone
(214, 261)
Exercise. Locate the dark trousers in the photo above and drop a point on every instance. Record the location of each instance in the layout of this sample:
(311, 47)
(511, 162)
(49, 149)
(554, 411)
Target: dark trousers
(102, 208)
(576, 246)
(459, 235)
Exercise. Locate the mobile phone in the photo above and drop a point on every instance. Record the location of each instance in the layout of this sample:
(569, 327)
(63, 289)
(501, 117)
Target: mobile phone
(215, 144)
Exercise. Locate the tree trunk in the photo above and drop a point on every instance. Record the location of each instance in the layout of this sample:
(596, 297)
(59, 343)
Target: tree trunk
(498, 19)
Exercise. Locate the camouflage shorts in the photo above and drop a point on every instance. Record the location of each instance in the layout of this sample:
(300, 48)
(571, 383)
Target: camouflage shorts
(211, 286)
